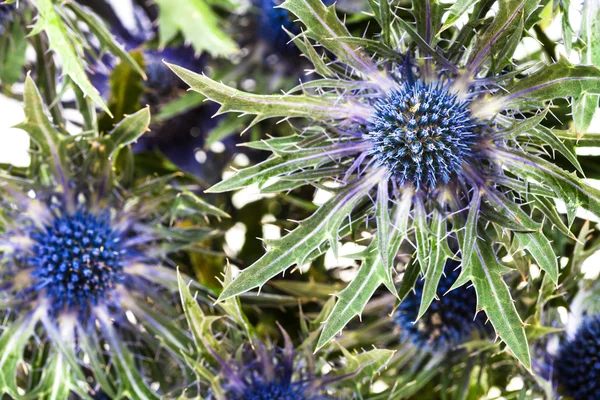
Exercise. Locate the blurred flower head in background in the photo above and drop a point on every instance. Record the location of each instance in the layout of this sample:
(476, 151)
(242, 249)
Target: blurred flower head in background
(449, 321)
(577, 365)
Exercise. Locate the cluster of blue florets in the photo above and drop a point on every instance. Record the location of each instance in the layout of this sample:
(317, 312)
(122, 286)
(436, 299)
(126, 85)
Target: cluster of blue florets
(260, 390)
(448, 322)
(269, 374)
(577, 365)
(77, 260)
(422, 133)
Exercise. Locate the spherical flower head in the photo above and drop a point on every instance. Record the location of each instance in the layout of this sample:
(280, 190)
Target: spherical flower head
(266, 373)
(77, 259)
(577, 365)
(422, 133)
(448, 322)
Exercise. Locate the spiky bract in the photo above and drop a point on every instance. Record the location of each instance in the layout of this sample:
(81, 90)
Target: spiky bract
(577, 364)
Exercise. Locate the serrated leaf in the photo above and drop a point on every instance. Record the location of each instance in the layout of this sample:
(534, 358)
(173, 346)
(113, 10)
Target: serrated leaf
(307, 238)
(324, 26)
(585, 106)
(567, 187)
(507, 25)
(494, 298)
(372, 273)
(421, 233)
(129, 130)
(198, 23)
(71, 55)
(41, 130)
(458, 8)
(367, 364)
(286, 163)
(540, 248)
(439, 253)
(382, 215)
(106, 39)
(317, 108)
(353, 299)
(561, 79)
(199, 323)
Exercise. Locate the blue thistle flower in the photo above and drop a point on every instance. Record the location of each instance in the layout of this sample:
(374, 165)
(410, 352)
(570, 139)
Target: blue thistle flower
(422, 133)
(448, 322)
(77, 259)
(270, 374)
(426, 136)
(85, 262)
(577, 364)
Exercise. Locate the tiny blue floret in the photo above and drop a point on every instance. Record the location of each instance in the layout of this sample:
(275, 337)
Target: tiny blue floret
(422, 133)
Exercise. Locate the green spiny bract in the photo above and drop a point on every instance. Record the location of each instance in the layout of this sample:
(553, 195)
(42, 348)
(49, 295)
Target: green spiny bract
(478, 199)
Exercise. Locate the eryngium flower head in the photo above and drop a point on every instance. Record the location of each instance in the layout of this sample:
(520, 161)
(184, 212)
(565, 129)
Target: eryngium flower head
(486, 175)
(270, 373)
(422, 133)
(577, 364)
(448, 322)
(76, 258)
(83, 264)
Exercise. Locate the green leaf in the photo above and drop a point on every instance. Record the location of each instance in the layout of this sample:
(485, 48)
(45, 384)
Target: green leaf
(106, 39)
(494, 298)
(199, 323)
(304, 241)
(71, 55)
(353, 299)
(56, 381)
(367, 364)
(324, 26)
(428, 15)
(561, 79)
(501, 35)
(458, 8)
(198, 23)
(382, 214)
(126, 91)
(317, 108)
(286, 163)
(540, 248)
(421, 233)
(40, 129)
(439, 253)
(12, 52)
(585, 106)
(129, 130)
(12, 344)
(372, 273)
(131, 383)
(568, 187)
